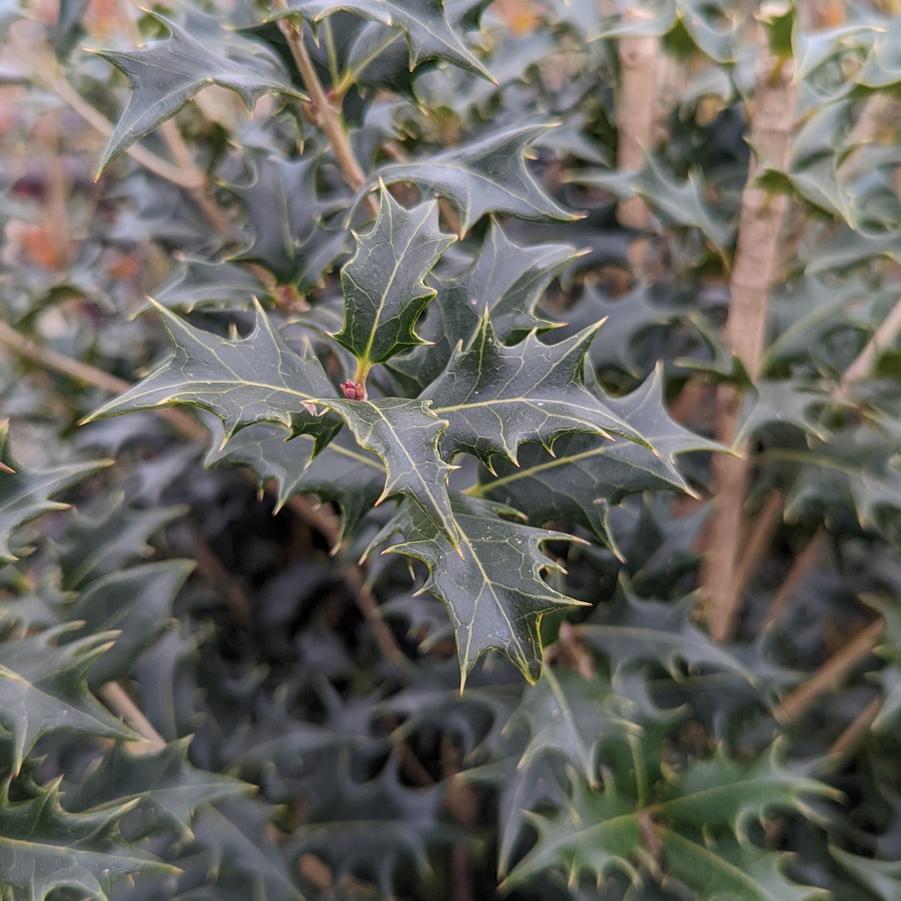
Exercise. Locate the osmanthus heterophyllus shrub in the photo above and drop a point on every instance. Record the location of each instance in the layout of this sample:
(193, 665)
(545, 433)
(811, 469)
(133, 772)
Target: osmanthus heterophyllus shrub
(560, 338)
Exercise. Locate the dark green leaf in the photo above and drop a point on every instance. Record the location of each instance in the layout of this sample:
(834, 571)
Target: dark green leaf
(384, 292)
(167, 74)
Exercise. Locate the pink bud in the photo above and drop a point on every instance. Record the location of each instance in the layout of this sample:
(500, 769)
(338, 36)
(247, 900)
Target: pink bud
(353, 390)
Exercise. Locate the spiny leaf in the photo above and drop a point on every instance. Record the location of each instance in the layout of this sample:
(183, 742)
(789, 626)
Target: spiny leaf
(44, 848)
(44, 688)
(505, 278)
(25, 495)
(627, 317)
(488, 175)
(404, 434)
(197, 284)
(568, 715)
(598, 833)
(496, 397)
(103, 539)
(285, 218)
(881, 877)
(384, 292)
(163, 789)
(138, 601)
(586, 476)
(341, 472)
(680, 202)
(492, 586)
(254, 379)
(631, 629)
(236, 835)
(424, 24)
(726, 792)
(731, 870)
(374, 827)
(165, 75)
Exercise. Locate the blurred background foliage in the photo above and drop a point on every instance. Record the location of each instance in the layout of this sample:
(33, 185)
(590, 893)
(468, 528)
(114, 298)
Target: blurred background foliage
(199, 700)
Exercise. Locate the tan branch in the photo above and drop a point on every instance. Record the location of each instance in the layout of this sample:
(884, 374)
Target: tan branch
(856, 731)
(757, 540)
(799, 568)
(636, 108)
(881, 339)
(327, 117)
(121, 703)
(753, 272)
(830, 675)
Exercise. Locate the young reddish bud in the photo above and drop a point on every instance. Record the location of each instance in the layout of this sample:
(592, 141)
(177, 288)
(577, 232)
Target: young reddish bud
(353, 390)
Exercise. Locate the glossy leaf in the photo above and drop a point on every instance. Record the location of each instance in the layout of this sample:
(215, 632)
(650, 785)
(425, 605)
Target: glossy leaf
(167, 74)
(384, 292)
(253, 379)
(496, 397)
(488, 175)
(492, 586)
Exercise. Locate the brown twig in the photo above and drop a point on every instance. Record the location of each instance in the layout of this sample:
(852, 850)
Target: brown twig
(327, 526)
(215, 572)
(121, 703)
(753, 272)
(856, 731)
(882, 338)
(830, 675)
(636, 109)
(799, 568)
(757, 540)
(327, 117)
(574, 651)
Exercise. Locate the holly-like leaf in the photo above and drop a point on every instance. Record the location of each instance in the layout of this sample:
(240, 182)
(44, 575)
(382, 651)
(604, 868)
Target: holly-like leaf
(165, 75)
(680, 202)
(285, 219)
(424, 24)
(728, 869)
(496, 397)
(568, 715)
(374, 827)
(197, 284)
(254, 379)
(881, 877)
(404, 434)
(102, 540)
(44, 688)
(488, 175)
(137, 601)
(505, 278)
(717, 798)
(341, 472)
(163, 788)
(627, 317)
(25, 495)
(44, 848)
(236, 836)
(492, 586)
(632, 630)
(585, 476)
(598, 833)
(384, 292)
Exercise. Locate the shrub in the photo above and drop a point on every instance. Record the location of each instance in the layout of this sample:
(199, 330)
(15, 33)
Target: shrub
(510, 502)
